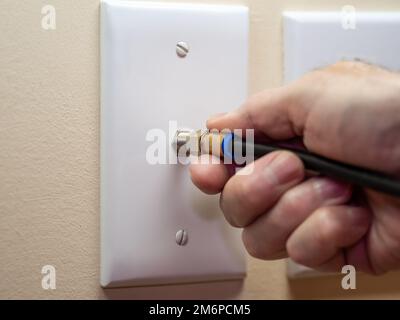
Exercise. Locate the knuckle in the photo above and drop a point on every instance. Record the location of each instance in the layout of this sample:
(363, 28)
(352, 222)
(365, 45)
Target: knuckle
(288, 207)
(251, 107)
(252, 102)
(315, 76)
(290, 203)
(243, 190)
(246, 199)
(297, 170)
(247, 195)
(326, 226)
(255, 104)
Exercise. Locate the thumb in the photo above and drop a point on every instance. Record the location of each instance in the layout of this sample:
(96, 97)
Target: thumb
(275, 113)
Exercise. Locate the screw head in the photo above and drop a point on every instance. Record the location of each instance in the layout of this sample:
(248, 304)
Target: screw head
(181, 237)
(182, 49)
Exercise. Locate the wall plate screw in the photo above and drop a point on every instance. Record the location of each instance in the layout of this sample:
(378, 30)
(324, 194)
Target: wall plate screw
(182, 49)
(181, 237)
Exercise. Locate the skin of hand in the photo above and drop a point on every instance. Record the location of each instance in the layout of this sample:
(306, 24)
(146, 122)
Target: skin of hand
(349, 111)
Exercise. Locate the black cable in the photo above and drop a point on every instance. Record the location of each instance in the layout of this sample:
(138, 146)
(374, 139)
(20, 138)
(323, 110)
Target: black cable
(331, 168)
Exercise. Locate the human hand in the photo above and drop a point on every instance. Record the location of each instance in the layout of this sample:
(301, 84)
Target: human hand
(350, 112)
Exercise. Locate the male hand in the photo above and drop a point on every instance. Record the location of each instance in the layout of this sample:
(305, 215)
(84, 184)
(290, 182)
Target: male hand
(349, 112)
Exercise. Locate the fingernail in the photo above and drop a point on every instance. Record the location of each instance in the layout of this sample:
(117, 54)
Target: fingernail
(283, 169)
(329, 188)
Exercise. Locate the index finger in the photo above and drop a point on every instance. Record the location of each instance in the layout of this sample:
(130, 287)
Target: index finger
(274, 112)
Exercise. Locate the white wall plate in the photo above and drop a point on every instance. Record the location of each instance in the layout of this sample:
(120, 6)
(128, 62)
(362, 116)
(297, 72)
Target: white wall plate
(144, 85)
(317, 39)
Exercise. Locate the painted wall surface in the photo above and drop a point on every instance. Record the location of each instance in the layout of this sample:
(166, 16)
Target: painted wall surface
(49, 156)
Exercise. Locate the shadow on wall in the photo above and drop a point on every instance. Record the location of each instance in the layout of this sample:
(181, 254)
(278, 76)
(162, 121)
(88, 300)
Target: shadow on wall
(330, 287)
(209, 290)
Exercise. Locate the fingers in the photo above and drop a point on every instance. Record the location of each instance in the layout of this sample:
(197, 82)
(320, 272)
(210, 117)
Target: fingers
(319, 241)
(282, 217)
(266, 237)
(247, 196)
(208, 175)
(270, 112)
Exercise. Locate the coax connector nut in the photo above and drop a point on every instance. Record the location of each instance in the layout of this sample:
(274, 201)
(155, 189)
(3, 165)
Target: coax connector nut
(186, 142)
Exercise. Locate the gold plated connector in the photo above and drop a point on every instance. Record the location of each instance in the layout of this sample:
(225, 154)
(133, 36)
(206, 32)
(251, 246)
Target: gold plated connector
(197, 142)
(187, 142)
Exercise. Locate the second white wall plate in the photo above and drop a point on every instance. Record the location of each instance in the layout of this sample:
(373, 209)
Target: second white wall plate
(313, 39)
(144, 86)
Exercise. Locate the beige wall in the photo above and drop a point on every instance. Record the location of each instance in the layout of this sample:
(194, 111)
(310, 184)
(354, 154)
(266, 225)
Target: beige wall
(49, 156)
